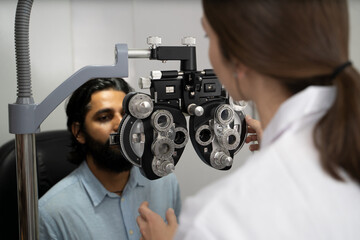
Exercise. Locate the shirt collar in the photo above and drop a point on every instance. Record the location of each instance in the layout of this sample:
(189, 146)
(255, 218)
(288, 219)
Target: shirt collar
(136, 179)
(97, 192)
(312, 102)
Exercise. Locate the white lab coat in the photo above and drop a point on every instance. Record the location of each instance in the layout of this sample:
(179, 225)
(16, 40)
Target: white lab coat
(281, 192)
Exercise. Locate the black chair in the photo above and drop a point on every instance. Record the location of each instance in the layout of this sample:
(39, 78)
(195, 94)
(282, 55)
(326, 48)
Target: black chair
(52, 165)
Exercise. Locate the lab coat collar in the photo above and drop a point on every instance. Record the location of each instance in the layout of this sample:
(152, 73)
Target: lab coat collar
(313, 102)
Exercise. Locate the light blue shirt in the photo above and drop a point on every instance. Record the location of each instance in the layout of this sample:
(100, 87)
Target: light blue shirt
(79, 207)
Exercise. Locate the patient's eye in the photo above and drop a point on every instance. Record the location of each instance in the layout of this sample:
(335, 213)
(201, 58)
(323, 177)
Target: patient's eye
(104, 117)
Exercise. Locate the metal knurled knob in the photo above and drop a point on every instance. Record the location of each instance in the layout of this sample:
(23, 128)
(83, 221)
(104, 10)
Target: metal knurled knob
(169, 168)
(223, 159)
(144, 83)
(188, 41)
(153, 41)
(193, 109)
(144, 107)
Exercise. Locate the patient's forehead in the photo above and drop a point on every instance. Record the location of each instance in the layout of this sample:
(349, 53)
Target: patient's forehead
(108, 98)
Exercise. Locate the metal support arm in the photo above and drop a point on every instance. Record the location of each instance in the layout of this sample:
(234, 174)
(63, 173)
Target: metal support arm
(26, 118)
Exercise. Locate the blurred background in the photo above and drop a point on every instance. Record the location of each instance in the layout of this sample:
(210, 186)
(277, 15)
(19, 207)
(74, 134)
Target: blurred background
(66, 35)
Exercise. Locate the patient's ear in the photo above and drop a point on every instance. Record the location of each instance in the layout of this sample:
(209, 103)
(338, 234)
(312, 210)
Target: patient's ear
(75, 129)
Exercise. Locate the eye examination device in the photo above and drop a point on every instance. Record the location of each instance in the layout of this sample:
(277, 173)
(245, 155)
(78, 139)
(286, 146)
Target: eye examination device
(154, 131)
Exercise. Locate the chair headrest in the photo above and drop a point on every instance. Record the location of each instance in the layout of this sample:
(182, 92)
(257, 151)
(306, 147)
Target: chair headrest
(52, 148)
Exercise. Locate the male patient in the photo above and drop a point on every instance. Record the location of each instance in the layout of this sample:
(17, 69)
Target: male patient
(100, 199)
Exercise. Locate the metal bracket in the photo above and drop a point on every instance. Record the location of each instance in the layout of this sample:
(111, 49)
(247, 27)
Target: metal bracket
(26, 118)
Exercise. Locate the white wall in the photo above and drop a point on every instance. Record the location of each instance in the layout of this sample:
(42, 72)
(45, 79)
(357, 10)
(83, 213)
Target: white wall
(66, 35)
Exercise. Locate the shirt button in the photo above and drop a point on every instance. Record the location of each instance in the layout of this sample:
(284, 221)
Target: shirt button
(131, 232)
(122, 199)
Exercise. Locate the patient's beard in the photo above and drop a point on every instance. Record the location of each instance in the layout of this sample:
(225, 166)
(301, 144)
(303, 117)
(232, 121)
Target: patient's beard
(106, 157)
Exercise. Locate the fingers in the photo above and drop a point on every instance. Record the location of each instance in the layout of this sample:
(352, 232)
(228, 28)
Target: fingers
(254, 147)
(142, 225)
(140, 221)
(255, 133)
(145, 203)
(152, 225)
(170, 217)
(254, 124)
(251, 138)
(172, 223)
(144, 209)
(251, 130)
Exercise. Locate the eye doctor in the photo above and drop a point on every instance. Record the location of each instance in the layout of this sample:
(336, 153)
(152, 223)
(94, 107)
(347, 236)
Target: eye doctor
(291, 58)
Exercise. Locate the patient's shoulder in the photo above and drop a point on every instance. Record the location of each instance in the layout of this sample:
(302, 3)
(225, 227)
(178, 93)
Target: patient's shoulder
(62, 192)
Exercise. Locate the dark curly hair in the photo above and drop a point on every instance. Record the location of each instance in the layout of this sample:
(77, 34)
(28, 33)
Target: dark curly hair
(77, 108)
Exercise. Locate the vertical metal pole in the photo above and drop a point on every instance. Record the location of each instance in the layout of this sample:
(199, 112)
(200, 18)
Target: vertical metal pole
(27, 186)
(25, 143)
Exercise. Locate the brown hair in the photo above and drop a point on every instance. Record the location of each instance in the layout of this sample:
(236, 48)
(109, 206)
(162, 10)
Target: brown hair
(299, 43)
